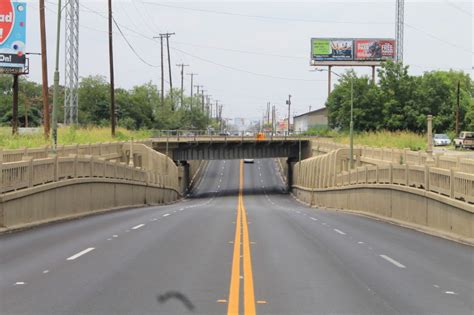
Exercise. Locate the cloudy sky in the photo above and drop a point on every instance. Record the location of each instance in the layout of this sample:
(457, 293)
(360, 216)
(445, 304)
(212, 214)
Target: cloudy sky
(248, 53)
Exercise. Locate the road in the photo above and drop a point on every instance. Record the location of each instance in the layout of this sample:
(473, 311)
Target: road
(237, 244)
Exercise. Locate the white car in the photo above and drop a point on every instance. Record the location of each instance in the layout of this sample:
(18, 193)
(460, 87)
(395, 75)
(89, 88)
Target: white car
(440, 139)
(248, 160)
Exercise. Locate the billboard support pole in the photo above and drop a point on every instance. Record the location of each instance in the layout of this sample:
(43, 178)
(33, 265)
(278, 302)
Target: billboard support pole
(15, 105)
(329, 79)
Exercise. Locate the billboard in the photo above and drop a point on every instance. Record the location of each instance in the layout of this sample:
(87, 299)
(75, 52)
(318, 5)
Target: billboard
(12, 36)
(351, 50)
(328, 49)
(374, 49)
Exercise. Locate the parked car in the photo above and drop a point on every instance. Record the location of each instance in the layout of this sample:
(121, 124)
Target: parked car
(440, 139)
(465, 140)
(224, 133)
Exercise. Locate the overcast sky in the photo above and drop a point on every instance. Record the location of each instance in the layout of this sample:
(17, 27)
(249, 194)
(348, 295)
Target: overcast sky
(247, 53)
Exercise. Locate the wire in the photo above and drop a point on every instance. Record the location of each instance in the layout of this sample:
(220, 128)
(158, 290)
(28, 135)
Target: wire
(131, 47)
(458, 8)
(242, 70)
(261, 16)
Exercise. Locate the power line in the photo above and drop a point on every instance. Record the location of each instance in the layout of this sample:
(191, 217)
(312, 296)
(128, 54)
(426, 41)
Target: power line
(262, 16)
(458, 8)
(242, 70)
(131, 47)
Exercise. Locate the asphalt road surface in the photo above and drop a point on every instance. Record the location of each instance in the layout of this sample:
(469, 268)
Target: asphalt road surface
(238, 244)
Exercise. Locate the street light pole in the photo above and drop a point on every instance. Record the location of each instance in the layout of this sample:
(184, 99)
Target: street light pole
(351, 123)
(351, 127)
(56, 82)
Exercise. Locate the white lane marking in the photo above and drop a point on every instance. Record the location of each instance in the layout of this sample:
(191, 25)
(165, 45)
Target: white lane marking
(45, 271)
(393, 261)
(138, 226)
(85, 251)
(314, 219)
(109, 239)
(154, 219)
(450, 292)
(436, 286)
(20, 283)
(115, 235)
(166, 214)
(360, 242)
(339, 231)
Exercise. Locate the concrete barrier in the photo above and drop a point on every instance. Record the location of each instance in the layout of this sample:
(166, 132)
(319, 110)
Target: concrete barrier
(407, 206)
(76, 197)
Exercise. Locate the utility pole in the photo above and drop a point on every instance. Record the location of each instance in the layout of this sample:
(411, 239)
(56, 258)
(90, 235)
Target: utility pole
(56, 81)
(288, 102)
(197, 94)
(217, 109)
(273, 120)
(457, 108)
(161, 36)
(202, 100)
(111, 61)
(220, 117)
(192, 86)
(15, 105)
(44, 68)
(268, 113)
(182, 65)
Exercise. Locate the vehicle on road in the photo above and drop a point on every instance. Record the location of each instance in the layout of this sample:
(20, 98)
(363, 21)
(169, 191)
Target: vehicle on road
(465, 140)
(441, 139)
(249, 161)
(224, 133)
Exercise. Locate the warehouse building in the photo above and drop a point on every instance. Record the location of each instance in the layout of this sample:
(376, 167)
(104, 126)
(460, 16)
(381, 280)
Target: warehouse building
(314, 119)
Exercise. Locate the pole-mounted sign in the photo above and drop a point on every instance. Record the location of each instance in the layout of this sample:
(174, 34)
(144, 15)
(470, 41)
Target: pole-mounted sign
(12, 36)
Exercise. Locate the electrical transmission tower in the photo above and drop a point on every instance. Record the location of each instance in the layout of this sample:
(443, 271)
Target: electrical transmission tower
(399, 23)
(71, 99)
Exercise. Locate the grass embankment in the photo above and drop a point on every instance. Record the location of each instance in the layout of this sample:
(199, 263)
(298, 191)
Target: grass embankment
(69, 135)
(379, 139)
(387, 139)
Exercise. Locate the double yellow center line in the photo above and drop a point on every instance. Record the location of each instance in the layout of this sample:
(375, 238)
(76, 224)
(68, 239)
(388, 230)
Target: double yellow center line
(241, 243)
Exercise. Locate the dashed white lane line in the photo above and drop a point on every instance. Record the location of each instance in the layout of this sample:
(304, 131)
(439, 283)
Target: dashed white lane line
(85, 251)
(360, 242)
(20, 283)
(154, 219)
(115, 235)
(138, 226)
(450, 292)
(166, 214)
(339, 231)
(109, 239)
(45, 271)
(393, 261)
(314, 219)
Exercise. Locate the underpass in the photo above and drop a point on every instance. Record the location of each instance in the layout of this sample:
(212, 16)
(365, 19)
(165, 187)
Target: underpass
(183, 258)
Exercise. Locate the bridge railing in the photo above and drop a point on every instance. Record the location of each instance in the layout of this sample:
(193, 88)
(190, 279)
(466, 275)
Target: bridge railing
(399, 156)
(33, 172)
(323, 172)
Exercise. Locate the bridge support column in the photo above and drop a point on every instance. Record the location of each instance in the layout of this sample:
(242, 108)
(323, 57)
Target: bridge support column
(289, 176)
(184, 176)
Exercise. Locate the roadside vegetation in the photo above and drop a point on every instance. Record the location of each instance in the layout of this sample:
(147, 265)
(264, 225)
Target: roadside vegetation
(69, 135)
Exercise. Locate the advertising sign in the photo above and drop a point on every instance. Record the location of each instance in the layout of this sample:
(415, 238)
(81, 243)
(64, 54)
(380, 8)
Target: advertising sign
(374, 49)
(12, 36)
(324, 49)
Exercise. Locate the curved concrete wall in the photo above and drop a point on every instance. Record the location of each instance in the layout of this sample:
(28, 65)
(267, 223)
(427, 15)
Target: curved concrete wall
(430, 212)
(75, 198)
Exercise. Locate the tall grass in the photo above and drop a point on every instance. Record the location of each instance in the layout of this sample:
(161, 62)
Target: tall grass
(69, 135)
(388, 139)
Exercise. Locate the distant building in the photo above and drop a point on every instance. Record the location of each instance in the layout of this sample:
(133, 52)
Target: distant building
(313, 119)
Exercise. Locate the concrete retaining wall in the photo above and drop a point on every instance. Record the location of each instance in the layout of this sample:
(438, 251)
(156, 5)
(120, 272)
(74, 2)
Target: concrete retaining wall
(406, 206)
(75, 198)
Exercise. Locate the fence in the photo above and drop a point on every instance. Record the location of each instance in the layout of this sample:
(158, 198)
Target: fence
(325, 171)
